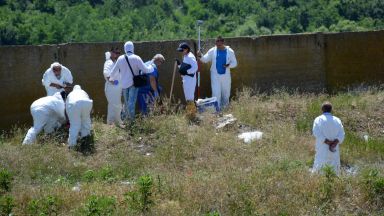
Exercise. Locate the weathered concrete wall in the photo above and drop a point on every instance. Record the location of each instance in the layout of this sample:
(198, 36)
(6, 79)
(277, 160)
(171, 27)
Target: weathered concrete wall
(294, 61)
(354, 58)
(308, 62)
(21, 71)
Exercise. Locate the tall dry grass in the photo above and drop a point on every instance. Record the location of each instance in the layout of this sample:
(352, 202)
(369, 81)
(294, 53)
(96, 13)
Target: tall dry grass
(198, 170)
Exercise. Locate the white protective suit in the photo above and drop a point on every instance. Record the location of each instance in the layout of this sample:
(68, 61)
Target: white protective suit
(49, 77)
(328, 127)
(112, 92)
(189, 83)
(47, 114)
(78, 106)
(220, 83)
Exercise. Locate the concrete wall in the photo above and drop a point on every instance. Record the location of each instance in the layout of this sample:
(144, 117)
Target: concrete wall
(308, 62)
(353, 59)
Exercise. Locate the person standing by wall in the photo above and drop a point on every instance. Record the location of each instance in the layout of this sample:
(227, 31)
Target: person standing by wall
(223, 59)
(123, 68)
(113, 90)
(188, 69)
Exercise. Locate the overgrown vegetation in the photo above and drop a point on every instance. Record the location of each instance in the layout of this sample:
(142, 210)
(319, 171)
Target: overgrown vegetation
(60, 21)
(164, 165)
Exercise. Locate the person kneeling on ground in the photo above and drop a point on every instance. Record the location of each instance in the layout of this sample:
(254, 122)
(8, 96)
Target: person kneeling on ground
(78, 107)
(47, 114)
(329, 133)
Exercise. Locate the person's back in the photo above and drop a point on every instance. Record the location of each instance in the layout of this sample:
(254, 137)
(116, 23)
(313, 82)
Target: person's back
(128, 66)
(77, 95)
(79, 107)
(47, 114)
(49, 104)
(329, 133)
(329, 125)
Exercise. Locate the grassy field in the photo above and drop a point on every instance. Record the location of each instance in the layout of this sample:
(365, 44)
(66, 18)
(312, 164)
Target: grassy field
(166, 166)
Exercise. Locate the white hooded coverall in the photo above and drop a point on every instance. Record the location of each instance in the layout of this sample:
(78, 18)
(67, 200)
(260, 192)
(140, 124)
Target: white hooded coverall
(220, 83)
(189, 83)
(328, 127)
(47, 114)
(78, 106)
(112, 92)
(49, 77)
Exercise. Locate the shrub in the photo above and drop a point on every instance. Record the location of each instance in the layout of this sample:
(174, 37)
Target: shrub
(327, 185)
(100, 206)
(89, 176)
(141, 199)
(374, 185)
(106, 174)
(6, 205)
(5, 180)
(49, 205)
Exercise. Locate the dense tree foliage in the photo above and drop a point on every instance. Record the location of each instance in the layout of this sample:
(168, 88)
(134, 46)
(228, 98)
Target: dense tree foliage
(59, 21)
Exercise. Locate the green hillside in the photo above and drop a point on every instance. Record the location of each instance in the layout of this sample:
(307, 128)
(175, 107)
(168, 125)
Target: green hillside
(59, 21)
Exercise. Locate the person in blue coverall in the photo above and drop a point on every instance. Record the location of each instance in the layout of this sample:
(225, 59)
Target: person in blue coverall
(150, 92)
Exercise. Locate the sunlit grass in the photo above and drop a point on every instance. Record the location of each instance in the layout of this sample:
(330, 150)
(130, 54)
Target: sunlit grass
(198, 170)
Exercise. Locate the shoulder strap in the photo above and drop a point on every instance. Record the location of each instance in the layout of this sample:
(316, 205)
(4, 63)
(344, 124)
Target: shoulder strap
(126, 58)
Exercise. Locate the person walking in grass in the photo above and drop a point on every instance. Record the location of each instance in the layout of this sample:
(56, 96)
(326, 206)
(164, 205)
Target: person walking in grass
(329, 133)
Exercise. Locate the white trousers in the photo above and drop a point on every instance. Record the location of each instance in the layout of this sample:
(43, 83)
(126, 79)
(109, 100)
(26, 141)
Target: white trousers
(325, 157)
(79, 115)
(189, 86)
(221, 87)
(42, 119)
(113, 94)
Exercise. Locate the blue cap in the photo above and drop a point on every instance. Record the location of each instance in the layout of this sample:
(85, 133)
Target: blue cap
(183, 46)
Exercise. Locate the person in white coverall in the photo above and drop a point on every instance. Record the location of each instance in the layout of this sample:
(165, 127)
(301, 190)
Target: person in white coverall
(223, 59)
(329, 133)
(121, 70)
(113, 90)
(78, 106)
(188, 69)
(56, 78)
(47, 114)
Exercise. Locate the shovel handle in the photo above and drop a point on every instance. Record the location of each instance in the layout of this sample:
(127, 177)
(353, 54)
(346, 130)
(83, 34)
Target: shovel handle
(173, 81)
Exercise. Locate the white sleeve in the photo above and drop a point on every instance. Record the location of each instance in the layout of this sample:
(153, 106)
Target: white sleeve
(143, 67)
(232, 59)
(108, 65)
(46, 80)
(316, 130)
(194, 66)
(207, 57)
(341, 135)
(68, 78)
(115, 71)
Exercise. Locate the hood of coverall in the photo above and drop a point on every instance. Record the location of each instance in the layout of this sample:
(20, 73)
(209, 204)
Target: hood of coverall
(128, 47)
(76, 87)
